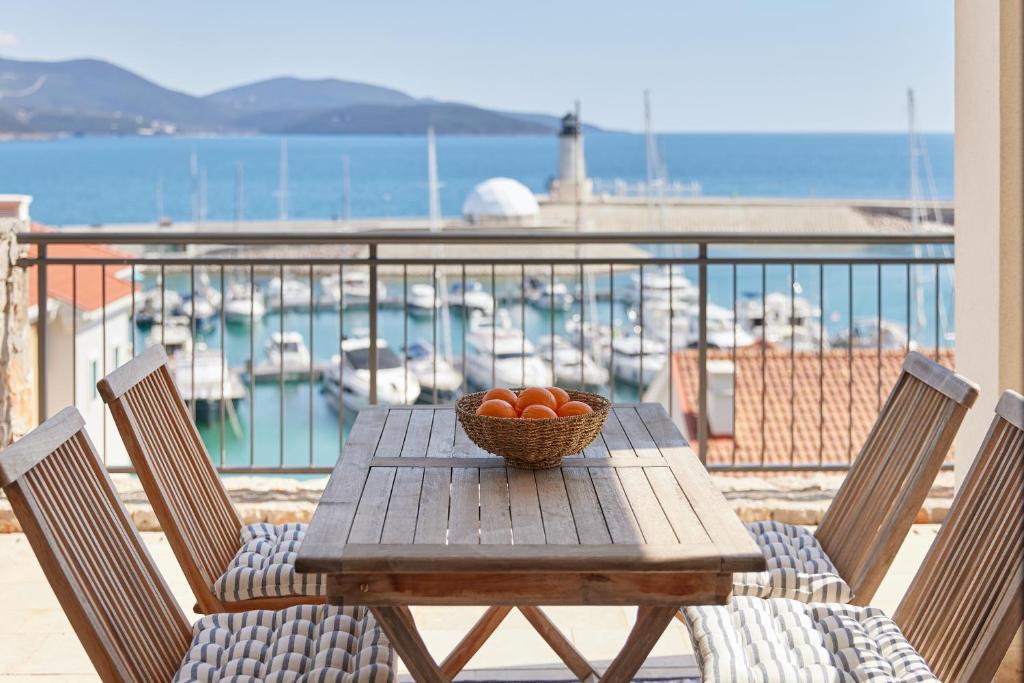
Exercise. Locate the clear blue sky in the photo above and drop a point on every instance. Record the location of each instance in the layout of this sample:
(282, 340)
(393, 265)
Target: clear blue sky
(717, 65)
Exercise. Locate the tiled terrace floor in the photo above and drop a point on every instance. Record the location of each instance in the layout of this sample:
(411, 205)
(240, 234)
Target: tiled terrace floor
(37, 644)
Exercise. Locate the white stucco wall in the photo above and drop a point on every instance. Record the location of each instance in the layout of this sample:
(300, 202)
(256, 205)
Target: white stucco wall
(88, 368)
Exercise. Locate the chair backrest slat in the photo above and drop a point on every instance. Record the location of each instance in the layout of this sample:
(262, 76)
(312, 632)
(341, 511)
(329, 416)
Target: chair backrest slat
(880, 497)
(115, 598)
(174, 467)
(967, 600)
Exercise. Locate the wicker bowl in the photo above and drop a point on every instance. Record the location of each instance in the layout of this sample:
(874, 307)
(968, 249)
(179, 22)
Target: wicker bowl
(533, 444)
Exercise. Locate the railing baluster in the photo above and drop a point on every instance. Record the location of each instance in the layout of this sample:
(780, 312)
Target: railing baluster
(374, 301)
(252, 365)
(878, 342)
(764, 351)
(671, 325)
(103, 349)
(735, 368)
(134, 328)
(494, 330)
(223, 365)
(938, 295)
(405, 329)
(792, 363)
(702, 353)
(280, 368)
(465, 371)
(74, 332)
(312, 361)
(611, 332)
(522, 323)
(341, 356)
(192, 334)
(583, 322)
(551, 318)
(821, 365)
(433, 328)
(849, 371)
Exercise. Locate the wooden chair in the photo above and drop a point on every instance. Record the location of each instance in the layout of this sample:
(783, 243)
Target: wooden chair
(124, 614)
(230, 566)
(954, 624)
(867, 522)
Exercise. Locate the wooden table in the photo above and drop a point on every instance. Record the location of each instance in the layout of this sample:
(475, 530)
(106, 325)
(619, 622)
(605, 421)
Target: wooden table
(416, 514)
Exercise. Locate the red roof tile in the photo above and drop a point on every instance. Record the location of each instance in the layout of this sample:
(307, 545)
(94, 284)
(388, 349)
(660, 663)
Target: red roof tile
(88, 280)
(809, 410)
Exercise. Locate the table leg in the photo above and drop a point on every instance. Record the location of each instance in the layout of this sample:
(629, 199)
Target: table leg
(474, 640)
(651, 622)
(397, 624)
(557, 641)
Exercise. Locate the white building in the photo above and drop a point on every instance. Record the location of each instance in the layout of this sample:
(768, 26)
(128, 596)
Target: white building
(88, 334)
(501, 201)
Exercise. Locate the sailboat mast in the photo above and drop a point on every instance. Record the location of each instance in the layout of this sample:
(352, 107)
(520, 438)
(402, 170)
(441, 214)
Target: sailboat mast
(441, 282)
(915, 189)
(282, 190)
(239, 193)
(346, 202)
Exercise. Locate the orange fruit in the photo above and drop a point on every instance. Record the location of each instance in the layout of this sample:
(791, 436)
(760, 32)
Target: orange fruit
(574, 408)
(496, 408)
(535, 396)
(502, 393)
(537, 411)
(561, 396)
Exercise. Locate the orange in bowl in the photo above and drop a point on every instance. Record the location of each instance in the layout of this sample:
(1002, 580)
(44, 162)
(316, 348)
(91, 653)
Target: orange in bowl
(536, 396)
(496, 408)
(502, 393)
(561, 395)
(536, 411)
(574, 408)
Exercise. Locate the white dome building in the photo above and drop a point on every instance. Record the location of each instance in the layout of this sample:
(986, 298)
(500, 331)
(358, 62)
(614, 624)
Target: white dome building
(501, 201)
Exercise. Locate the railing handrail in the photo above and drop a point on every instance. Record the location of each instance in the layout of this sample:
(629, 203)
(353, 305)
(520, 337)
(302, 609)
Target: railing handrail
(484, 236)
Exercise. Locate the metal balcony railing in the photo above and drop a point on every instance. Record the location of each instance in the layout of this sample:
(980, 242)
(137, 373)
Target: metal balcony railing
(773, 351)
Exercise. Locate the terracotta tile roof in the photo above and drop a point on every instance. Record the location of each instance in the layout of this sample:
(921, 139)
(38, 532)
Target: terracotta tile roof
(804, 422)
(88, 280)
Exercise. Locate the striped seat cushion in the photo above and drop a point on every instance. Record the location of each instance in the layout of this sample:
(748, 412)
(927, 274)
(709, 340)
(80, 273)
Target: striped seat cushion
(301, 644)
(786, 641)
(264, 566)
(798, 567)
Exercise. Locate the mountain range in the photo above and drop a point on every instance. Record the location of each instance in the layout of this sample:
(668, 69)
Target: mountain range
(91, 96)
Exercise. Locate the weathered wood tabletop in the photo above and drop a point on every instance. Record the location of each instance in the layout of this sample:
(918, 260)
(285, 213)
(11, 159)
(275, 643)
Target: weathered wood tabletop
(416, 514)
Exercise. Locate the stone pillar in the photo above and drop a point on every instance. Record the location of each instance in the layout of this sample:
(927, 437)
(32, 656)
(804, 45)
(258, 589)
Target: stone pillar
(989, 220)
(16, 394)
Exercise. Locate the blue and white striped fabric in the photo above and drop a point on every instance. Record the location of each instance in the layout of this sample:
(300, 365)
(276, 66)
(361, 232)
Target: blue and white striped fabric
(302, 644)
(786, 641)
(798, 568)
(264, 566)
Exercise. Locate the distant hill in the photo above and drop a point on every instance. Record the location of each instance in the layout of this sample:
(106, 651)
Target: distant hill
(414, 119)
(285, 93)
(91, 96)
(91, 89)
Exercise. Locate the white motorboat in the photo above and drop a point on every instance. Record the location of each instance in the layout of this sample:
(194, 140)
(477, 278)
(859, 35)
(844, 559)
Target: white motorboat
(868, 334)
(434, 372)
(288, 294)
(150, 308)
(540, 292)
(783, 320)
(347, 379)
(565, 359)
(474, 298)
(198, 308)
(635, 362)
(421, 298)
(174, 334)
(659, 285)
(498, 354)
(286, 354)
(214, 382)
(351, 290)
(245, 303)
(723, 331)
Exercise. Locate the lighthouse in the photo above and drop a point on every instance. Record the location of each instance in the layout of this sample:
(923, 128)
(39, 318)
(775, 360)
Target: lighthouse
(572, 183)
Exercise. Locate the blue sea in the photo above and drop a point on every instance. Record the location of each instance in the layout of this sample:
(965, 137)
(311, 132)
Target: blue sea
(103, 180)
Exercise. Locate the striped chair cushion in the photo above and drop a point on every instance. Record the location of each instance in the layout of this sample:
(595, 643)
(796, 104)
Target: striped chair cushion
(798, 567)
(785, 641)
(264, 566)
(302, 644)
